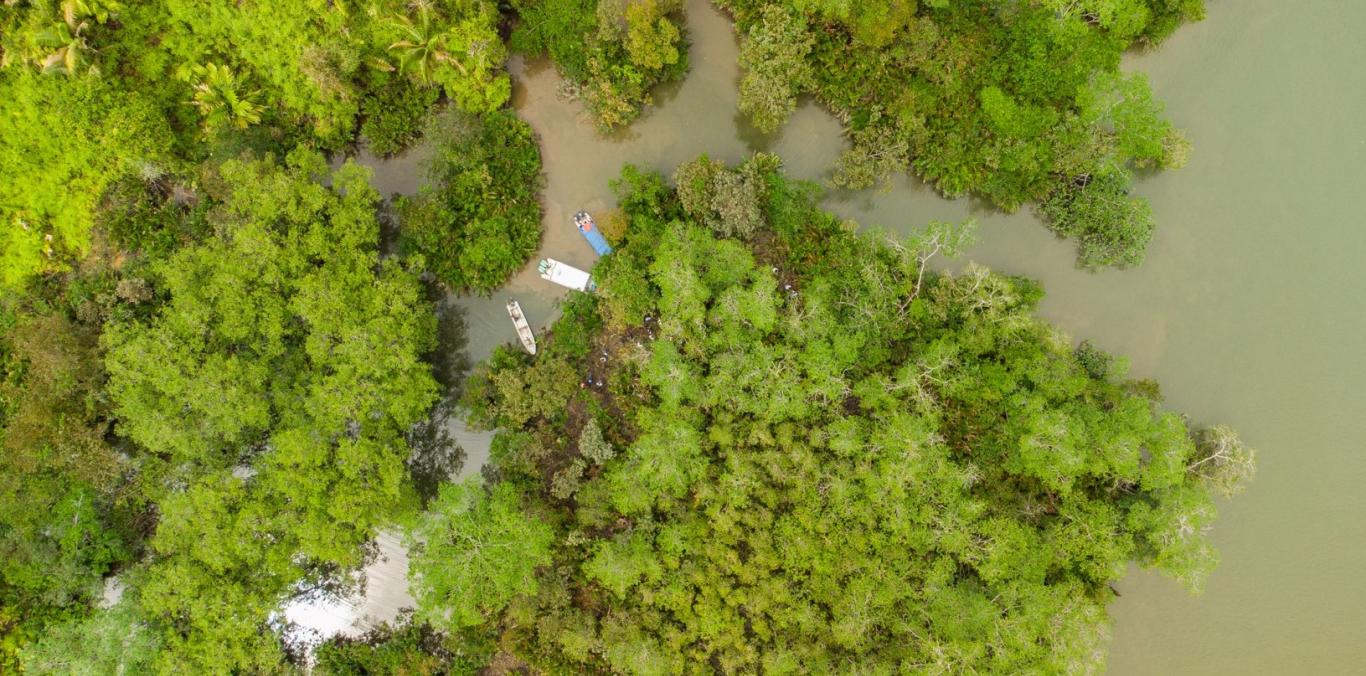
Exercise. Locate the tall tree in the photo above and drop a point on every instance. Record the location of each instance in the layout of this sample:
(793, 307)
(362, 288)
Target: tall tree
(476, 551)
(272, 392)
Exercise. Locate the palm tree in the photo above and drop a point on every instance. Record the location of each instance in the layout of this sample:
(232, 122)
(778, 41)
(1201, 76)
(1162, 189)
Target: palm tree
(219, 101)
(423, 46)
(100, 10)
(66, 40)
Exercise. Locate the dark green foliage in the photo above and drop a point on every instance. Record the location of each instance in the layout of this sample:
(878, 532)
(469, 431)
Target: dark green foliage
(1095, 362)
(150, 218)
(730, 202)
(478, 218)
(579, 323)
(65, 508)
(829, 459)
(393, 118)
(614, 51)
(1016, 102)
(1112, 227)
(405, 647)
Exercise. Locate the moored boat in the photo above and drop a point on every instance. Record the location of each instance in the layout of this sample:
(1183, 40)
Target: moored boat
(524, 333)
(589, 229)
(565, 275)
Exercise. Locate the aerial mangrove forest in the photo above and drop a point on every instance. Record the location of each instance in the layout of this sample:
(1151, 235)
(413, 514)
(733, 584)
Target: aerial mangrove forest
(769, 440)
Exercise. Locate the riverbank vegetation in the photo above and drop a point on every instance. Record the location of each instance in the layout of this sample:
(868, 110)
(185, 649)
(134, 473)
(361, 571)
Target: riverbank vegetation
(478, 217)
(216, 368)
(261, 383)
(786, 447)
(611, 52)
(222, 369)
(1018, 103)
(93, 92)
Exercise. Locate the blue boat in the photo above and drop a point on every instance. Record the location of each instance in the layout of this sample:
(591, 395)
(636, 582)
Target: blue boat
(590, 232)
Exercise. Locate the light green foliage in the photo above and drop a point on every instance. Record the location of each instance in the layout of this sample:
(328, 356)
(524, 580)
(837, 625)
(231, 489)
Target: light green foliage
(313, 62)
(614, 51)
(109, 641)
(566, 481)
(301, 60)
(1014, 102)
(275, 386)
(460, 50)
(1122, 106)
(63, 141)
(1222, 461)
(872, 23)
(478, 218)
(304, 68)
(54, 37)
(835, 459)
(593, 446)
(474, 552)
(221, 100)
(874, 154)
(773, 56)
(621, 563)
(651, 38)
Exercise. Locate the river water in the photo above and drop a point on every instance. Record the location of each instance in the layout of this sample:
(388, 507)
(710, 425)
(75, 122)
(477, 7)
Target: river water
(1250, 309)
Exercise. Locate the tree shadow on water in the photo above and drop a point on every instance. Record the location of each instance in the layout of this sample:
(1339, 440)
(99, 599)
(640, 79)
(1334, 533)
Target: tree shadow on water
(435, 454)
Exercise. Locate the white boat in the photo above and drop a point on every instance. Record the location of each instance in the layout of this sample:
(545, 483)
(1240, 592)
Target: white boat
(523, 329)
(565, 275)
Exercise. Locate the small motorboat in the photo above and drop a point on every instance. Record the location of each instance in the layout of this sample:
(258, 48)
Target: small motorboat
(523, 329)
(565, 275)
(590, 232)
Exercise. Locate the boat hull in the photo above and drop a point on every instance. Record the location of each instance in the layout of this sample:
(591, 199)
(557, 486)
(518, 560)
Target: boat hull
(524, 333)
(589, 229)
(565, 275)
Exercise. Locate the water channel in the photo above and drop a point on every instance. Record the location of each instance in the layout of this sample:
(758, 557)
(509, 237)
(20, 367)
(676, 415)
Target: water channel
(1250, 309)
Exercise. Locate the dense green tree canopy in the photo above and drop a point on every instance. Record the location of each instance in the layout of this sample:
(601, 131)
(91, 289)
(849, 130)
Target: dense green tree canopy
(405, 647)
(1018, 102)
(477, 551)
(612, 51)
(263, 362)
(308, 64)
(63, 141)
(831, 458)
(95, 90)
(109, 641)
(478, 217)
(63, 501)
(767, 444)
(272, 391)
